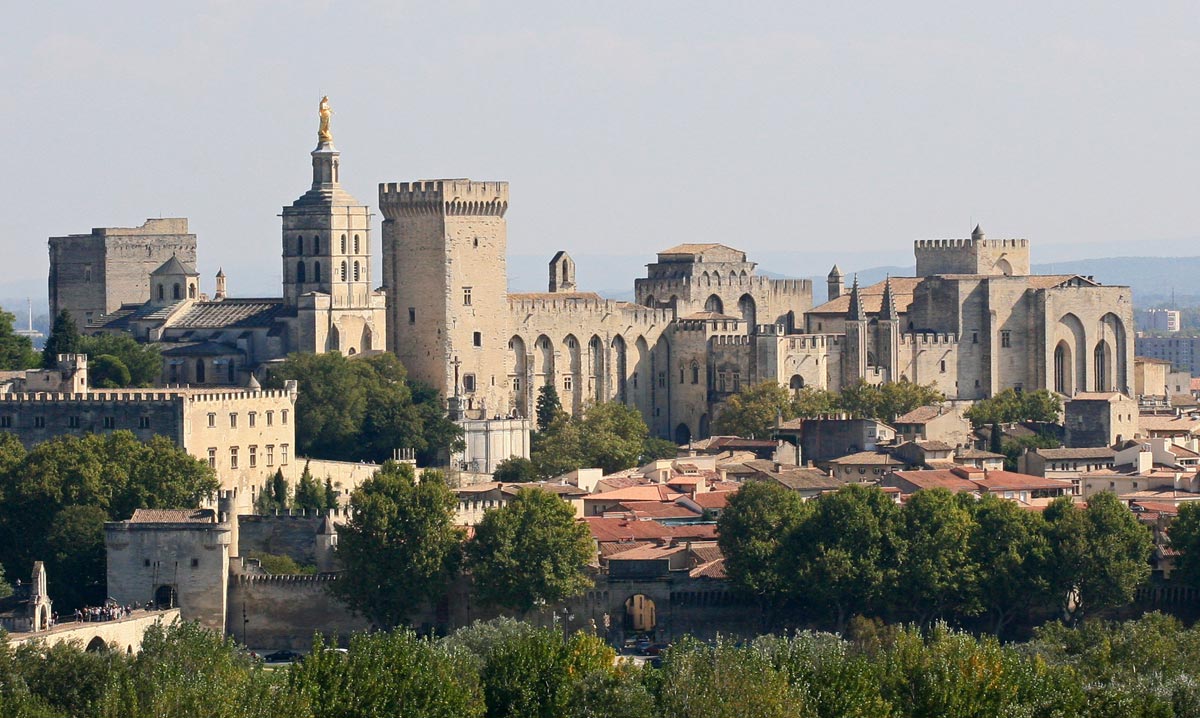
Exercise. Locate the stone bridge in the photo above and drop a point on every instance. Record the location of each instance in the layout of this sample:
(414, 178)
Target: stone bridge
(124, 634)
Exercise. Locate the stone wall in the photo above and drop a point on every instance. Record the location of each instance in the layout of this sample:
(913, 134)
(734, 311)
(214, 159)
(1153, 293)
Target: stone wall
(285, 611)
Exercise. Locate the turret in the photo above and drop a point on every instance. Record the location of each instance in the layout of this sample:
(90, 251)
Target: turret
(977, 234)
(856, 313)
(836, 282)
(219, 294)
(174, 281)
(562, 273)
(887, 311)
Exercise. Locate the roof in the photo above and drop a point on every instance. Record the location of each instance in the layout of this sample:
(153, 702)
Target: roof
(706, 552)
(1012, 481)
(200, 349)
(174, 266)
(977, 454)
(921, 415)
(710, 316)
(647, 553)
(694, 249)
(173, 516)
(557, 296)
(1095, 452)
(868, 457)
(619, 529)
(793, 477)
(712, 569)
(872, 297)
(695, 532)
(712, 499)
(958, 480)
(732, 442)
(231, 313)
(1109, 396)
(659, 510)
(933, 445)
(648, 492)
(1181, 424)
(935, 479)
(608, 548)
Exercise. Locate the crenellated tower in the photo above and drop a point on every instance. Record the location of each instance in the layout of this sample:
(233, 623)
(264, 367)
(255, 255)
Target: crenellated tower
(444, 246)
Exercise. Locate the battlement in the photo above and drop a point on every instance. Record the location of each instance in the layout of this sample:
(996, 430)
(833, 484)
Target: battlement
(295, 515)
(960, 243)
(977, 255)
(550, 305)
(450, 197)
(731, 340)
(928, 338)
(142, 395)
(299, 579)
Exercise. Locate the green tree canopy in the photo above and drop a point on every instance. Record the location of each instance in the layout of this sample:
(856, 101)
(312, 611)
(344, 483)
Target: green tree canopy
(529, 553)
(108, 372)
(1010, 549)
(1185, 538)
(142, 361)
(363, 408)
(751, 531)
(610, 436)
(310, 493)
(16, 351)
(64, 339)
(937, 573)
(400, 548)
(1009, 406)
(515, 469)
(549, 406)
(754, 411)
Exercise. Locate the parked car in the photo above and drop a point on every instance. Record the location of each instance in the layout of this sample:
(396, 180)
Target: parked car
(284, 656)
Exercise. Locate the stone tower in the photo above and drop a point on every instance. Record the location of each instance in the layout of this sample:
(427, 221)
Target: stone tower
(835, 282)
(855, 353)
(887, 339)
(219, 293)
(562, 273)
(327, 261)
(173, 282)
(444, 244)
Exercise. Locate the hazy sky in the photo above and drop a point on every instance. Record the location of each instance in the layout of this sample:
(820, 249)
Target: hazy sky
(623, 127)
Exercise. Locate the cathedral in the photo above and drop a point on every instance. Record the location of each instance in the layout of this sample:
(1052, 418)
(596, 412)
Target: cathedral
(973, 320)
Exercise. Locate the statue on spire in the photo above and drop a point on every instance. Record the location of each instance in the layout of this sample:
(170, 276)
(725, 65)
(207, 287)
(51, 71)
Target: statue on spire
(324, 136)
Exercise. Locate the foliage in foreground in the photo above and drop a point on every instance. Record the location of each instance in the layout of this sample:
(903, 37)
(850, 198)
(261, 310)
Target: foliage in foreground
(500, 669)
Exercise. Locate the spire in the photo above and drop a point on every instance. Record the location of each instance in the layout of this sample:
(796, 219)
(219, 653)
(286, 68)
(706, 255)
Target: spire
(977, 234)
(219, 294)
(888, 310)
(325, 157)
(856, 312)
(836, 272)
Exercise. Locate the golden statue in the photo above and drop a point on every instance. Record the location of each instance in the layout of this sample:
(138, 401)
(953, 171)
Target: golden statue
(324, 136)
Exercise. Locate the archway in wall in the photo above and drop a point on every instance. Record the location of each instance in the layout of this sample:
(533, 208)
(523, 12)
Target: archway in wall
(796, 383)
(1064, 369)
(175, 291)
(366, 340)
(714, 304)
(1112, 330)
(640, 614)
(650, 301)
(351, 352)
(749, 312)
(620, 368)
(683, 434)
(1004, 267)
(571, 390)
(97, 645)
(300, 279)
(165, 597)
(520, 370)
(643, 375)
(790, 322)
(596, 368)
(1069, 332)
(544, 356)
(1102, 366)
(704, 429)
(191, 291)
(335, 339)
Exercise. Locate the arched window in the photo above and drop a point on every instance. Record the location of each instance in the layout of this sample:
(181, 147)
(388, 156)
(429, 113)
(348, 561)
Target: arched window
(356, 251)
(160, 291)
(191, 291)
(343, 245)
(300, 272)
(356, 271)
(695, 373)
(175, 291)
(316, 245)
(316, 271)
(343, 270)
(299, 245)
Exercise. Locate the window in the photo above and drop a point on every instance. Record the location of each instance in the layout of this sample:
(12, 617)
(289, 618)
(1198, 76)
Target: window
(316, 245)
(233, 421)
(73, 422)
(300, 272)
(974, 337)
(412, 315)
(143, 422)
(468, 383)
(356, 245)
(233, 452)
(662, 379)
(212, 458)
(680, 375)
(695, 373)
(146, 562)
(283, 416)
(343, 252)
(253, 416)
(516, 384)
(195, 562)
(343, 270)
(567, 382)
(6, 422)
(283, 453)
(175, 291)
(477, 339)
(270, 418)
(253, 456)
(270, 454)
(110, 422)
(299, 245)
(1005, 338)
(212, 420)
(943, 366)
(356, 271)
(316, 271)
(466, 296)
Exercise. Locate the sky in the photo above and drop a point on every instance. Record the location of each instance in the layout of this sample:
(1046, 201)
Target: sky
(804, 132)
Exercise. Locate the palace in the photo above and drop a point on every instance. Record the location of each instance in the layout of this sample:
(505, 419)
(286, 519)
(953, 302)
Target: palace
(703, 325)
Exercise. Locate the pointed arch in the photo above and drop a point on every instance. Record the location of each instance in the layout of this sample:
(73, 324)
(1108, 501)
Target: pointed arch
(544, 356)
(520, 371)
(714, 304)
(683, 435)
(749, 312)
(596, 376)
(1112, 331)
(1070, 335)
(317, 272)
(316, 244)
(300, 272)
(368, 338)
(620, 368)
(573, 376)
(335, 339)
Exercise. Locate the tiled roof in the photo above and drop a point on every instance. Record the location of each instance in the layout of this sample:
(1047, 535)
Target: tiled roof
(128, 313)
(200, 349)
(933, 445)
(173, 516)
(712, 569)
(174, 266)
(649, 492)
(615, 529)
(872, 297)
(1181, 424)
(560, 296)
(1012, 481)
(867, 457)
(608, 548)
(695, 532)
(646, 553)
(1097, 452)
(935, 479)
(707, 552)
(713, 499)
(709, 316)
(231, 313)
(658, 510)
(977, 454)
(920, 415)
(958, 480)
(690, 249)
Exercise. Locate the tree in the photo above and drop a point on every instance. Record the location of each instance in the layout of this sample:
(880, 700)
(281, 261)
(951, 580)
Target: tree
(810, 402)
(63, 339)
(400, 548)
(310, 494)
(108, 372)
(889, 400)
(1009, 546)
(76, 551)
(549, 407)
(751, 531)
(515, 469)
(557, 450)
(16, 351)
(936, 570)
(1008, 407)
(331, 494)
(845, 555)
(610, 436)
(363, 408)
(654, 448)
(530, 553)
(268, 500)
(5, 588)
(1185, 538)
(1099, 555)
(143, 361)
(754, 411)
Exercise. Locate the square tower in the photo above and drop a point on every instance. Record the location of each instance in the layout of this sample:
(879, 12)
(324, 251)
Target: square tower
(444, 245)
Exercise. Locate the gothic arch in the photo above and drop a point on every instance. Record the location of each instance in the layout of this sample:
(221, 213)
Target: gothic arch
(97, 645)
(299, 245)
(643, 375)
(714, 304)
(650, 300)
(573, 376)
(520, 370)
(335, 339)
(316, 244)
(620, 368)
(683, 435)
(1069, 334)
(544, 356)
(749, 312)
(300, 272)
(1112, 331)
(596, 368)
(367, 338)
(1064, 368)
(704, 431)
(191, 291)
(1004, 267)
(796, 383)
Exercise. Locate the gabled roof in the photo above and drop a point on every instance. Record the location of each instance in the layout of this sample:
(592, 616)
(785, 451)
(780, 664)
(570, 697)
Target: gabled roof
(712, 499)
(921, 415)
(620, 529)
(231, 313)
(1097, 452)
(173, 516)
(174, 266)
(867, 457)
(648, 492)
(872, 297)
